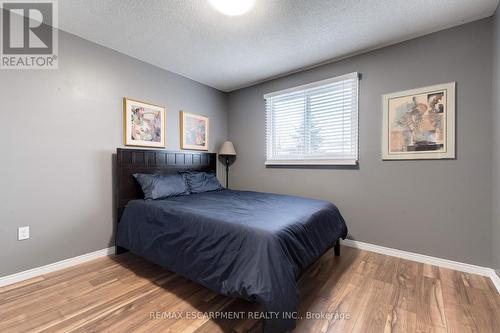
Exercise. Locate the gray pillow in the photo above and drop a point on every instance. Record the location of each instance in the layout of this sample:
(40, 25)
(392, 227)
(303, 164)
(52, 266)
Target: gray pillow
(199, 182)
(157, 186)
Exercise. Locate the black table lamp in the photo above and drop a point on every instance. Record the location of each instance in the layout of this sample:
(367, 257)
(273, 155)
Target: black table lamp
(227, 151)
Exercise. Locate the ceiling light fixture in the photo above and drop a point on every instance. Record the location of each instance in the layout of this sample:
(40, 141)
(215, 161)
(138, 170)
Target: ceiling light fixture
(232, 7)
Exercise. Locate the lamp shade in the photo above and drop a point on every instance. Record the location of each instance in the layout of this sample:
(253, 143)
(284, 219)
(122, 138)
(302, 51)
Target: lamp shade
(227, 148)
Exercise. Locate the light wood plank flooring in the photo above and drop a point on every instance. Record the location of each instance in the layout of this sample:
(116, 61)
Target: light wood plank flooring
(374, 293)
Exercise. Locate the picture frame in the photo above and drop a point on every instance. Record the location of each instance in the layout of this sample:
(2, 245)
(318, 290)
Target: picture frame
(195, 131)
(419, 123)
(144, 124)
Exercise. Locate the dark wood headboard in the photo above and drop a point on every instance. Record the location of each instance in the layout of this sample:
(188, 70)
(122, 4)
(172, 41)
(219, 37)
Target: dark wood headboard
(130, 161)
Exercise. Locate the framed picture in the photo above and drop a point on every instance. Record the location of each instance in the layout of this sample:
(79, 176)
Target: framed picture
(144, 124)
(419, 123)
(194, 131)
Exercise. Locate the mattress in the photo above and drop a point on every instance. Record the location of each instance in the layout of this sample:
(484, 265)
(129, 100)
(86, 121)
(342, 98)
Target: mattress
(242, 244)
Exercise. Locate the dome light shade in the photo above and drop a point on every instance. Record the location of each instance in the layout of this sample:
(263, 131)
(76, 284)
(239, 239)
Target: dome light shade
(232, 7)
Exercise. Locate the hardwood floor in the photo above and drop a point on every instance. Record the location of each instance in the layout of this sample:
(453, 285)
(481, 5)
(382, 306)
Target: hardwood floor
(373, 293)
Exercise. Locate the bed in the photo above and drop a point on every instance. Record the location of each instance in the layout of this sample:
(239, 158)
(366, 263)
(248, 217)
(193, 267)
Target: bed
(242, 244)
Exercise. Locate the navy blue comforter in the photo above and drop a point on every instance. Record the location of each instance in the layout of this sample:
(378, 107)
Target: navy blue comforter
(249, 245)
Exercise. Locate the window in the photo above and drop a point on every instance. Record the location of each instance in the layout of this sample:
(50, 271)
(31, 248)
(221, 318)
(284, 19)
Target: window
(314, 124)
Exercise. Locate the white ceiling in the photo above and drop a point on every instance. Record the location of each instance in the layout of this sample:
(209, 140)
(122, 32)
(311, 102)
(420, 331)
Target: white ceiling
(190, 38)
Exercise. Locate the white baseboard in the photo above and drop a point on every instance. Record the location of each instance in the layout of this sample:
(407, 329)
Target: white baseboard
(21, 276)
(495, 279)
(462, 267)
(458, 266)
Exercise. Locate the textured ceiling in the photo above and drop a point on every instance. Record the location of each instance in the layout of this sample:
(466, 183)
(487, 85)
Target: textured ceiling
(276, 37)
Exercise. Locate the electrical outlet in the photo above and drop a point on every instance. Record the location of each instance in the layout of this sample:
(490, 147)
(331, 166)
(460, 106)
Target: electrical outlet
(23, 233)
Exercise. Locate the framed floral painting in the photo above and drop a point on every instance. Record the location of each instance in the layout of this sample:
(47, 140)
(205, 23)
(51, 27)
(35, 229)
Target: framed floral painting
(194, 131)
(419, 123)
(144, 124)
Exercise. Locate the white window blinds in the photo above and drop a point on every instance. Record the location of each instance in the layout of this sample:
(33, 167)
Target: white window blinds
(313, 124)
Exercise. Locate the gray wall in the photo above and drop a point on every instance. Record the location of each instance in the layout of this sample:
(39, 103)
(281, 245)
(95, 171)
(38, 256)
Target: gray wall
(440, 208)
(496, 146)
(60, 129)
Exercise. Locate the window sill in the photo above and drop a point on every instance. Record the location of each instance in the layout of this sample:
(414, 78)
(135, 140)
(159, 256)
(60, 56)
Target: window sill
(311, 162)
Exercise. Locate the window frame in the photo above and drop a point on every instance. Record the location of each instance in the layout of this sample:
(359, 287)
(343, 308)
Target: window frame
(327, 161)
